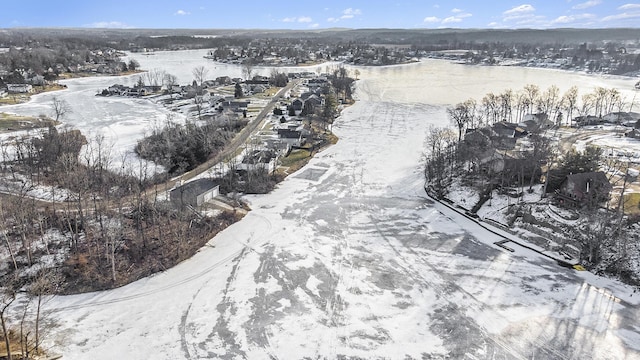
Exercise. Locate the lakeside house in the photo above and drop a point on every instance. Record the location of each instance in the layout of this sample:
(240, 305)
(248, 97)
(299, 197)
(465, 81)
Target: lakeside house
(19, 88)
(584, 189)
(259, 160)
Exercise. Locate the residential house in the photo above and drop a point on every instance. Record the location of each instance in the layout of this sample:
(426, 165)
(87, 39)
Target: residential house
(507, 129)
(587, 120)
(256, 89)
(633, 134)
(223, 80)
(235, 105)
(116, 89)
(317, 82)
(506, 135)
(194, 193)
(315, 100)
(491, 161)
(584, 189)
(189, 92)
(207, 84)
(478, 138)
(259, 159)
(293, 136)
(19, 88)
(623, 118)
(536, 122)
(36, 80)
(257, 81)
(297, 104)
(202, 97)
(137, 92)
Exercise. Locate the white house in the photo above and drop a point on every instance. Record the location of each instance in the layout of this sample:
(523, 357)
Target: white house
(19, 88)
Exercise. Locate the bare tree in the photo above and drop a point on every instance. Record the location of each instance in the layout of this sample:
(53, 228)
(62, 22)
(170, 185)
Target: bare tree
(154, 77)
(59, 108)
(569, 102)
(439, 142)
(491, 107)
(548, 102)
(458, 117)
(587, 104)
(43, 284)
(169, 81)
(506, 105)
(612, 100)
(7, 297)
(200, 74)
(531, 95)
(599, 98)
(247, 69)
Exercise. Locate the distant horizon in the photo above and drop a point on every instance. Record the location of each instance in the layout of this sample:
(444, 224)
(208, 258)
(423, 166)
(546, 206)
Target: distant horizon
(312, 30)
(330, 14)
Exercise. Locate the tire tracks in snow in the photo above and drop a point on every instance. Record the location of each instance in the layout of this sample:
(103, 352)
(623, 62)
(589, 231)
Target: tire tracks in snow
(248, 246)
(449, 283)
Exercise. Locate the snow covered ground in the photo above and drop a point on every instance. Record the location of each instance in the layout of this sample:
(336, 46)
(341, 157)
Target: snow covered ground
(347, 258)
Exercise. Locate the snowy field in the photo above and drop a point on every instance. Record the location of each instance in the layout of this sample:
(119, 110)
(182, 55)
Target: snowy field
(347, 258)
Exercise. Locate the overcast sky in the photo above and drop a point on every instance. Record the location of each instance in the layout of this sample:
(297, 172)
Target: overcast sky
(303, 14)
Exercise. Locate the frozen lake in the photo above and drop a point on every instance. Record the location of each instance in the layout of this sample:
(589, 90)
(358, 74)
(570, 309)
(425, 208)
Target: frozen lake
(347, 258)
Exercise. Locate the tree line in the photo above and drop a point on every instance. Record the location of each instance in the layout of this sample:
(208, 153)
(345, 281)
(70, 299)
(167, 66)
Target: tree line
(559, 109)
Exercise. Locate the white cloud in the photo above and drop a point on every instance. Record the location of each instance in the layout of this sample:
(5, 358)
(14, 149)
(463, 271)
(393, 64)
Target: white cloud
(451, 19)
(493, 24)
(181, 12)
(629, 7)
(630, 11)
(522, 14)
(520, 10)
(109, 25)
(301, 19)
(350, 13)
(586, 5)
(622, 16)
(456, 18)
(567, 19)
(314, 26)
